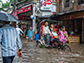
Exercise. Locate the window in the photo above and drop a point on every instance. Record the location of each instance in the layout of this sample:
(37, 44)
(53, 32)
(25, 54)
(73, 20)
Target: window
(67, 3)
(80, 2)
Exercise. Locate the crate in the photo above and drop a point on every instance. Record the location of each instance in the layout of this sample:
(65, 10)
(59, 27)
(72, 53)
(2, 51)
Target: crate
(74, 39)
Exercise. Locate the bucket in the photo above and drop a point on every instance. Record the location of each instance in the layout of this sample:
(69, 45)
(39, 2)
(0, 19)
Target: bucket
(36, 37)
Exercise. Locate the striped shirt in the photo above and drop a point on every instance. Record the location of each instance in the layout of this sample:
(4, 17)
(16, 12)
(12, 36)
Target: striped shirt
(9, 40)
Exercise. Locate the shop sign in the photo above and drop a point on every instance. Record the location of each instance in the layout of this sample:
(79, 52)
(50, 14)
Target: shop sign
(14, 14)
(0, 4)
(46, 4)
(24, 9)
(47, 14)
(23, 17)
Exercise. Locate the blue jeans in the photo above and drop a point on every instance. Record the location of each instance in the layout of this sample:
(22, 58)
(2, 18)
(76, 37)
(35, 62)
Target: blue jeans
(8, 59)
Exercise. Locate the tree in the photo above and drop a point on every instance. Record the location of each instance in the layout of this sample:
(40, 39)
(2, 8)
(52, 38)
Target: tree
(12, 1)
(6, 4)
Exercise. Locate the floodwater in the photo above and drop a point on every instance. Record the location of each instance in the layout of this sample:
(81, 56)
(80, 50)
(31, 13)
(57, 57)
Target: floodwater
(33, 54)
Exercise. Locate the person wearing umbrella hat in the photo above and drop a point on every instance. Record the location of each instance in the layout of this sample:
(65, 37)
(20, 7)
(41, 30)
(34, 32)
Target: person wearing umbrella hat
(9, 39)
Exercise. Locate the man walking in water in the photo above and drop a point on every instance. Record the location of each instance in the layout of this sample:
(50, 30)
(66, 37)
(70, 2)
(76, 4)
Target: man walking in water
(9, 37)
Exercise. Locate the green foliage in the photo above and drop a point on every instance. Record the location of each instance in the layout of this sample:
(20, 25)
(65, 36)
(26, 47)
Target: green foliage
(6, 4)
(2, 8)
(12, 1)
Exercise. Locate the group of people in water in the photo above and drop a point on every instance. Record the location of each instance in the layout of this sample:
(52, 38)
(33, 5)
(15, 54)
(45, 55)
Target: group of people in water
(51, 33)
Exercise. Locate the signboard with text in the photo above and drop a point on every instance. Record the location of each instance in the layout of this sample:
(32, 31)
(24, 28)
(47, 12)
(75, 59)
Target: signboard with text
(46, 5)
(0, 4)
(23, 17)
(24, 9)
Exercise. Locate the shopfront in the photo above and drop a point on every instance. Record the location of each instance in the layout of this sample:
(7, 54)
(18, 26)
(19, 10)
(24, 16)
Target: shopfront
(74, 22)
(23, 15)
(26, 21)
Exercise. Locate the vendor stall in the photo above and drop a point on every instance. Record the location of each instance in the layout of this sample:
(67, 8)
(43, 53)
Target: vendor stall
(74, 39)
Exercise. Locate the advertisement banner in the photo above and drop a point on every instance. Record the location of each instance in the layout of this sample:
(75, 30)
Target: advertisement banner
(46, 5)
(24, 9)
(0, 4)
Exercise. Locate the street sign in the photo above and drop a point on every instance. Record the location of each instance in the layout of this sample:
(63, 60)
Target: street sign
(46, 5)
(0, 4)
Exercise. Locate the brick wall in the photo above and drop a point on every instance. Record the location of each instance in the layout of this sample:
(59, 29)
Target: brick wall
(72, 6)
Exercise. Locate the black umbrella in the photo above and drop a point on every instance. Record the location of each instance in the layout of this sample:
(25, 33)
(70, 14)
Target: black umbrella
(4, 16)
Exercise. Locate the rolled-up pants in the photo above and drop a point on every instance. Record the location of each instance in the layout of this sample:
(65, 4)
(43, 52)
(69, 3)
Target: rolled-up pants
(47, 38)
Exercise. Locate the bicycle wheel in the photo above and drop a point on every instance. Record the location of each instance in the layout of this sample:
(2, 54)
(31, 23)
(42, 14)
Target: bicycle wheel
(66, 48)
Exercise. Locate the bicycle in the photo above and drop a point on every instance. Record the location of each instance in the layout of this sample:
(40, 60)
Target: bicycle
(41, 44)
(63, 46)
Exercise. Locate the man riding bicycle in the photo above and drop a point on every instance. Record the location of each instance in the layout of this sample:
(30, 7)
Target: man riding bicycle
(46, 33)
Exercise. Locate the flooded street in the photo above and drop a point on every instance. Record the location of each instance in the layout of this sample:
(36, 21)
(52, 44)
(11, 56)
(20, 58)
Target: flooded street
(33, 54)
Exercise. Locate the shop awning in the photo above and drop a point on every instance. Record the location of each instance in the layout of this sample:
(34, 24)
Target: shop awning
(57, 15)
(48, 20)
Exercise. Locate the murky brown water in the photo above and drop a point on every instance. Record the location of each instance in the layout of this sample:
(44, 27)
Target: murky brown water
(33, 54)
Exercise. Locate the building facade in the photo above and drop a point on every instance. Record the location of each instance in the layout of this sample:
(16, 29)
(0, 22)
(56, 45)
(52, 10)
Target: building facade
(71, 13)
(40, 9)
(69, 5)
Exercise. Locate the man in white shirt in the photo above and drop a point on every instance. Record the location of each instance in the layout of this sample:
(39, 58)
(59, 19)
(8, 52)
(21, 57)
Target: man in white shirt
(46, 33)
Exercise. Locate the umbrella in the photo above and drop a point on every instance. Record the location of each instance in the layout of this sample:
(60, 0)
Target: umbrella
(4, 16)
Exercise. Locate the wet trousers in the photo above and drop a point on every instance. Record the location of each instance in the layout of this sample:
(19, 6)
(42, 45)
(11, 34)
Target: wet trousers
(47, 38)
(8, 59)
